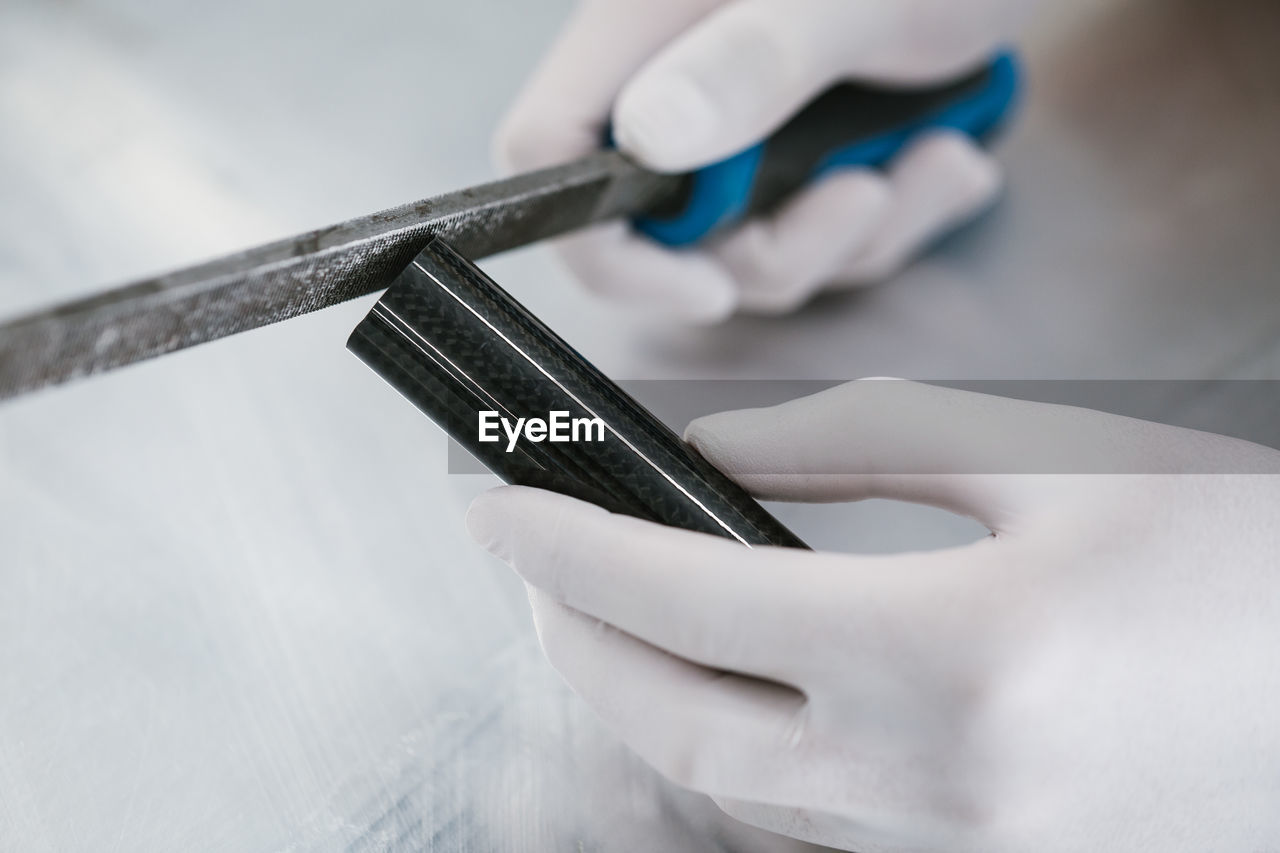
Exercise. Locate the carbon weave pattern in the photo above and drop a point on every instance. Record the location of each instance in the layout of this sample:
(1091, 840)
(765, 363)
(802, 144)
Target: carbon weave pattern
(454, 343)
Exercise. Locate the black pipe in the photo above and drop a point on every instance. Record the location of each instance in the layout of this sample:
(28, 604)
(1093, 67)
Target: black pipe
(456, 344)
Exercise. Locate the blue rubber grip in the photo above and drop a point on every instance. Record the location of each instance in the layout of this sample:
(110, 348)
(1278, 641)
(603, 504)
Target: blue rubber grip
(721, 194)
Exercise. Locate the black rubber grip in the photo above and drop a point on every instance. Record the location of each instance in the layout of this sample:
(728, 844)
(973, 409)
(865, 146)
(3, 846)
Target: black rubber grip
(849, 126)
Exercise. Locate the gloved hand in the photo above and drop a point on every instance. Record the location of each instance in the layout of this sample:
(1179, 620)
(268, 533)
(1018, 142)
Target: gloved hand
(1100, 674)
(689, 82)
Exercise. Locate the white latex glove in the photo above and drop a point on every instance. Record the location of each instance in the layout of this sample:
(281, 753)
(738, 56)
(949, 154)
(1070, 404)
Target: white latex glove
(689, 82)
(1102, 674)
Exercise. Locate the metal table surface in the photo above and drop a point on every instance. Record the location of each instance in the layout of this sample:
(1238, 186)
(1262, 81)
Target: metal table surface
(233, 618)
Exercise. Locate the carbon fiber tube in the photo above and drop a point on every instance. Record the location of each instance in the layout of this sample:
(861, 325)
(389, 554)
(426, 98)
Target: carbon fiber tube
(457, 345)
